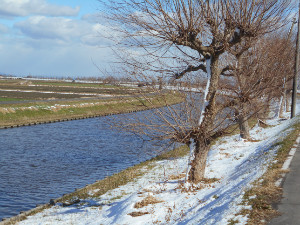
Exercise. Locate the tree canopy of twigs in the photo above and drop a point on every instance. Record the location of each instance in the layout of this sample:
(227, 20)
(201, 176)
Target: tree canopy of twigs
(180, 38)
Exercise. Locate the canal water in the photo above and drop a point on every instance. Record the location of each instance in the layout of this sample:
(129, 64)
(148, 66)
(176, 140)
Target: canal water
(38, 163)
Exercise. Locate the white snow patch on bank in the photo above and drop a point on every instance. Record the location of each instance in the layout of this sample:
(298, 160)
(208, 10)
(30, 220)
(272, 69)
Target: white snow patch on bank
(55, 92)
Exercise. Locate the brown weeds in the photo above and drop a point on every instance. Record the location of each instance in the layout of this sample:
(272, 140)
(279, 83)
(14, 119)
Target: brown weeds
(265, 192)
(149, 200)
(176, 176)
(136, 214)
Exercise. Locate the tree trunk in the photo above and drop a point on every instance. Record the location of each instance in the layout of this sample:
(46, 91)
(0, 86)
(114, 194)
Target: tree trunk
(265, 114)
(288, 102)
(198, 164)
(282, 104)
(242, 118)
(243, 122)
(244, 126)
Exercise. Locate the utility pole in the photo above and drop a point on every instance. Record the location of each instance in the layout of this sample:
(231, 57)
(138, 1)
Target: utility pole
(294, 94)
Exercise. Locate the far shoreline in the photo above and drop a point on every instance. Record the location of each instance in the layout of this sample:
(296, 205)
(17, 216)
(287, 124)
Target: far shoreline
(24, 116)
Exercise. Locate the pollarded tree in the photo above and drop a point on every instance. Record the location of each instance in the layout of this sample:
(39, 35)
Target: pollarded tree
(283, 58)
(258, 71)
(181, 37)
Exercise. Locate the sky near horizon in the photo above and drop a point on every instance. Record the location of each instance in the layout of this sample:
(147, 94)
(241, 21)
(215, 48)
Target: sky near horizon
(52, 38)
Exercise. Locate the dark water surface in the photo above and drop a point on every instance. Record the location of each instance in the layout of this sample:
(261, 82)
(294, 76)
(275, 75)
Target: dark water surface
(41, 162)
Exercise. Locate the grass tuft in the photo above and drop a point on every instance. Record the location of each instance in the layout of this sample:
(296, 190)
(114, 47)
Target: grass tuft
(136, 214)
(149, 200)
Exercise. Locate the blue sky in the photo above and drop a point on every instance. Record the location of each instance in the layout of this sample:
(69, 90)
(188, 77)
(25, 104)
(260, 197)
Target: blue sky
(58, 38)
(52, 38)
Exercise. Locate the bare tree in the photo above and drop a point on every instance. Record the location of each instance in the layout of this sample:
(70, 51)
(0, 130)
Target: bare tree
(184, 37)
(258, 71)
(284, 50)
(277, 65)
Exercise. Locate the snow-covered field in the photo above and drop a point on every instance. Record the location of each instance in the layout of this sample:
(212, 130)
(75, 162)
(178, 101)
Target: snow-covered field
(55, 92)
(55, 107)
(234, 162)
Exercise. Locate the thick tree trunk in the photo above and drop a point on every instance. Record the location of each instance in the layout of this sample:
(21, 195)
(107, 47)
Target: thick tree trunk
(243, 122)
(242, 115)
(282, 104)
(244, 126)
(264, 112)
(288, 102)
(198, 164)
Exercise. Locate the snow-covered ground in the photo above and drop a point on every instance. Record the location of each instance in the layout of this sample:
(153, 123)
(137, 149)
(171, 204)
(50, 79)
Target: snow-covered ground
(55, 92)
(234, 162)
(55, 107)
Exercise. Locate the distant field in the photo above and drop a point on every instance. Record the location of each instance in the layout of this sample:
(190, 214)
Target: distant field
(24, 89)
(24, 113)
(37, 95)
(2, 99)
(74, 84)
(51, 101)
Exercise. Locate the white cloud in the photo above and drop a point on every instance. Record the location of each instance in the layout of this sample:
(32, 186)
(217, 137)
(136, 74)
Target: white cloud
(43, 41)
(41, 27)
(3, 28)
(64, 29)
(54, 46)
(99, 35)
(56, 60)
(16, 8)
(92, 17)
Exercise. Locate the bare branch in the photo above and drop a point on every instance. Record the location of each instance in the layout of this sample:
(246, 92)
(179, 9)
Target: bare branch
(190, 69)
(226, 69)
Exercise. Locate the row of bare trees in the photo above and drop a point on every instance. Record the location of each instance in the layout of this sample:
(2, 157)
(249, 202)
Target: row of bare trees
(229, 43)
(261, 75)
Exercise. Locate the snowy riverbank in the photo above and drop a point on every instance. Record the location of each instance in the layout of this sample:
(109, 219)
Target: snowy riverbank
(233, 162)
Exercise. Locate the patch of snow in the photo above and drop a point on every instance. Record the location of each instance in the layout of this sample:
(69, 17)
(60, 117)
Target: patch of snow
(55, 92)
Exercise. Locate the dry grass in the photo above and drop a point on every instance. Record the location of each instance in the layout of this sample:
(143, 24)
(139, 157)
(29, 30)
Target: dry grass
(176, 176)
(262, 124)
(252, 140)
(226, 155)
(25, 113)
(136, 214)
(149, 200)
(265, 191)
(209, 180)
(266, 194)
(192, 188)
